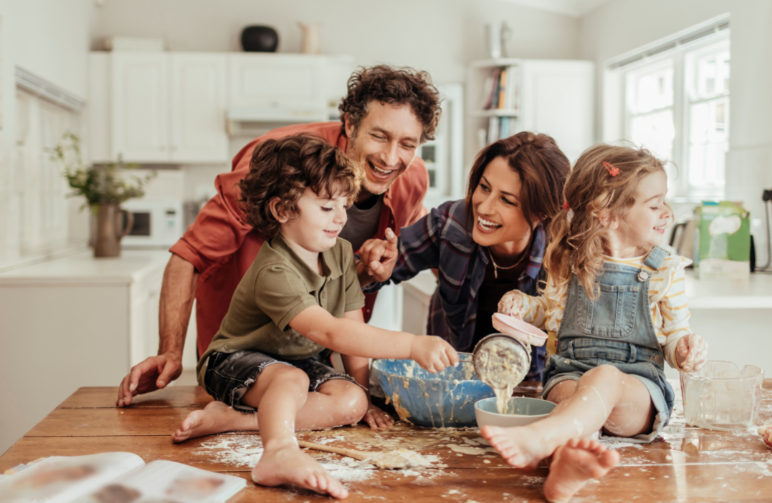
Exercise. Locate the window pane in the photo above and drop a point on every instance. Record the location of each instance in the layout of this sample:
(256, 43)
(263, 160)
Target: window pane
(712, 74)
(708, 142)
(655, 132)
(652, 90)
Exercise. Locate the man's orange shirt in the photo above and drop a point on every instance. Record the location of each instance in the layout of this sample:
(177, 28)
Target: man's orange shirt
(222, 246)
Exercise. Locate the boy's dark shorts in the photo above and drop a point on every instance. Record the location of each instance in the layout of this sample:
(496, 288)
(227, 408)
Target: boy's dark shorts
(229, 375)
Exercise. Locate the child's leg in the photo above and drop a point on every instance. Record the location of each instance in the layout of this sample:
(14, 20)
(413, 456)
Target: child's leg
(282, 393)
(335, 403)
(604, 396)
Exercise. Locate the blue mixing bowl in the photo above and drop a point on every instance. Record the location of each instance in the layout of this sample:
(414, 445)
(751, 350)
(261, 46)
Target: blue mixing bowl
(442, 400)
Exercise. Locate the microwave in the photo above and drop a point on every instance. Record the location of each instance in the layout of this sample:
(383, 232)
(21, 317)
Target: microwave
(157, 223)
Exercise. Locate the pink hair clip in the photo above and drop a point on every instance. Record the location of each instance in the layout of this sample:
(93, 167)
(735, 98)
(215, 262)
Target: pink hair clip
(612, 170)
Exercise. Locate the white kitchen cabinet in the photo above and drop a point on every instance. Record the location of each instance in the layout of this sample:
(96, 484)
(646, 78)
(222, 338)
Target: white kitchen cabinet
(198, 101)
(284, 88)
(161, 107)
(558, 99)
(71, 322)
(140, 106)
(276, 82)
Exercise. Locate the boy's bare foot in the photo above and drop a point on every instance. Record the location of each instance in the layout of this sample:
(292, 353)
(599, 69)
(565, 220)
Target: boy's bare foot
(215, 418)
(573, 464)
(521, 447)
(290, 465)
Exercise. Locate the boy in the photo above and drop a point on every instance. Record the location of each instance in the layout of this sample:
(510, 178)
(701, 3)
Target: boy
(299, 299)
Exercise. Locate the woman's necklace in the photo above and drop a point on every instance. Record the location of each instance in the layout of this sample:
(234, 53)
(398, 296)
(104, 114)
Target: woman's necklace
(496, 267)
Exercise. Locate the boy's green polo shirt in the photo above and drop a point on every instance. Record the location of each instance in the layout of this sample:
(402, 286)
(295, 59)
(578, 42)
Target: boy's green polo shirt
(276, 288)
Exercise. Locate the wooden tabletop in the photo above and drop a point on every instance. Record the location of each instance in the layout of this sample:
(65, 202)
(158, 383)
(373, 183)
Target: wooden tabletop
(685, 464)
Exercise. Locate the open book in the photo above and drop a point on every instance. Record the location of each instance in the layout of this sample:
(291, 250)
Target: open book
(115, 477)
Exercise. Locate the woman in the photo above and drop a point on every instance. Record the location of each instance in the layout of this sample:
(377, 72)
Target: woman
(485, 245)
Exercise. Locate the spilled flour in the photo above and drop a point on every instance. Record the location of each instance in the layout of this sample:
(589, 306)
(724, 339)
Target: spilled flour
(244, 451)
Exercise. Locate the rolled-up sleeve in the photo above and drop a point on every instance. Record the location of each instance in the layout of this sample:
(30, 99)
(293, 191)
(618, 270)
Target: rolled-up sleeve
(219, 229)
(419, 249)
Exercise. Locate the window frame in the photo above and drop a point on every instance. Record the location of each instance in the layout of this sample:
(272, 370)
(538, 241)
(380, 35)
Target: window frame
(680, 189)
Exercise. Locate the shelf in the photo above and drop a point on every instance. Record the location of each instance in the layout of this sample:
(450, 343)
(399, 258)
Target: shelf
(493, 63)
(495, 113)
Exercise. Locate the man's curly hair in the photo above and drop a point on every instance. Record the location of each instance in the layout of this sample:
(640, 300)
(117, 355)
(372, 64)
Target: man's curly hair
(392, 86)
(284, 168)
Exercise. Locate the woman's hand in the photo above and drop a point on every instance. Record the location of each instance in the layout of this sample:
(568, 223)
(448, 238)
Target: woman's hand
(691, 353)
(511, 304)
(377, 418)
(377, 258)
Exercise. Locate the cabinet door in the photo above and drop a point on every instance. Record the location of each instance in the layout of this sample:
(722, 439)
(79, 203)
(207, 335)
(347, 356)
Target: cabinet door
(140, 106)
(198, 108)
(558, 99)
(276, 83)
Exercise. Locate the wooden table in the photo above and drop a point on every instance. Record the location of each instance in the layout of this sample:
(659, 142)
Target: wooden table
(685, 464)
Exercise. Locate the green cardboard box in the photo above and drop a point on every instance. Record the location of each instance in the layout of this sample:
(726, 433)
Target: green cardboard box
(722, 241)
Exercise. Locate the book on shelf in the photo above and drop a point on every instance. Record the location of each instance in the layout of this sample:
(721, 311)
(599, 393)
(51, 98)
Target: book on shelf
(502, 103)
(116, 477)
(492, 87)
(498, 128)
(501, 89)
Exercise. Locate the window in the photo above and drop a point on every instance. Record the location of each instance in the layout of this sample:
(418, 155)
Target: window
(676, 104)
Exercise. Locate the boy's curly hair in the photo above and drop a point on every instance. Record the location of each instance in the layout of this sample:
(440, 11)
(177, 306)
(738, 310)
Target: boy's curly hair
(577, 245)
(392, 86)
(284, 168)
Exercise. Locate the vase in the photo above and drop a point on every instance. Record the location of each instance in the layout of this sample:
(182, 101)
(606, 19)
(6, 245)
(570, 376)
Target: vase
(259, 39)
(310, 40)
(109, 230)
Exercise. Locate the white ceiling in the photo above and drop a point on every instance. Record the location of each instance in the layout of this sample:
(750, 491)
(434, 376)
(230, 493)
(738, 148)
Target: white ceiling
(575, 8)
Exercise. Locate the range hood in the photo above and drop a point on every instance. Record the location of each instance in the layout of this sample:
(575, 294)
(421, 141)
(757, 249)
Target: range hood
(254, 121)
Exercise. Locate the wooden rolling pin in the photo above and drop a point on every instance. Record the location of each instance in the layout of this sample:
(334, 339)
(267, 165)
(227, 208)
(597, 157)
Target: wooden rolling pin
(379, 459)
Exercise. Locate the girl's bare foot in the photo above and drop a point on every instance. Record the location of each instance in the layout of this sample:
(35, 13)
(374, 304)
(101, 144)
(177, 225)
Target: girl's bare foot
(215, 418)
(289, 465)
(521, 447)
(573, 464)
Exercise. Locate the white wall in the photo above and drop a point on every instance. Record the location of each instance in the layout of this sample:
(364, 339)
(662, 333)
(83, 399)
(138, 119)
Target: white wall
(439, 36)
(623, 25)
(49, 38)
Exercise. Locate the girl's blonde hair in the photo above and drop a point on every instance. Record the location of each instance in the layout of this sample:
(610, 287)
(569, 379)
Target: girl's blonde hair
(605, 178)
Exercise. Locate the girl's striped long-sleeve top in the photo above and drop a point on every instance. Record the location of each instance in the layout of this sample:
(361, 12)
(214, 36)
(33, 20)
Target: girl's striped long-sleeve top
(667, 300)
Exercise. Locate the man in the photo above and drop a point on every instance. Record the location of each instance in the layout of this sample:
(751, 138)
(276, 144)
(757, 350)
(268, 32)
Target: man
(386, 115)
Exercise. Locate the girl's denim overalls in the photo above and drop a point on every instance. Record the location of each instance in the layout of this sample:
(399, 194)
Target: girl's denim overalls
(614, 329)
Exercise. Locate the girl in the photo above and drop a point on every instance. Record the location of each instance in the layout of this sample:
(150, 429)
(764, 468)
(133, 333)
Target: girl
(485, 245)
(615, 309)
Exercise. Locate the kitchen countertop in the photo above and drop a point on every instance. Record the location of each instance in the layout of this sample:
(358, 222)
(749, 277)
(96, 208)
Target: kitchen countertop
(83, 268)
(753, 293)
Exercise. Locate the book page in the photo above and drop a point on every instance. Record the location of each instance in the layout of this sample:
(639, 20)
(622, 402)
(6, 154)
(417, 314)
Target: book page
(62, 479)
(168, 482)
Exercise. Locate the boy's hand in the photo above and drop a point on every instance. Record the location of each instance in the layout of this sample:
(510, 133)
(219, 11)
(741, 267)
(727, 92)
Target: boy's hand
(378, 256)
(691, 353)
(511, 304)
(432, 353)
(377, 418)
